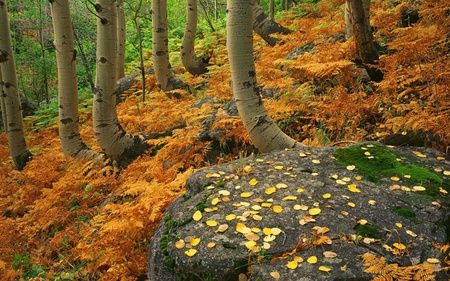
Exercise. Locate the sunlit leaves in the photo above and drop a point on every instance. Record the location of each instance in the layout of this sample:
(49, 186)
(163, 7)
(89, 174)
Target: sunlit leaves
(314, 211)
(190, 252)
(312, 260)
(197, 216)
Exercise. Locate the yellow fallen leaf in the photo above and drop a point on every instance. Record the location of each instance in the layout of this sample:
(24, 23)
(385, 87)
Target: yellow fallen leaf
(252, 236)
(314, 211)
(256, 230)
(269, 238)
(300, 190)
(211, 244)
(281, 185)
(290, 198)
(266, 205)
(419, 188)
(399, 246)
(277, 209)
(372, 202)
(341, 182)
(351, 167)
(395, 178)
(410, 233)
(246, 194)
(399, 225)
(367, 153)
(352, 187)
(276, 230)
(257, 217)
(194, 241)
(292, 265)
(351, 204)
(190, 252)
(271, 190)
(250, 244)
(316, 161)
(180, 244)
(362, 221)
(298, 259)
(211, 223)
(197, 216)
(215, 201)
(334, 177)
(230, 217)
(312, 260)
(267, 231)
(278, 167)
(253, 182)
(440, 158)
(433, 260)
(358, 178)
(324, 268)
(326, 195)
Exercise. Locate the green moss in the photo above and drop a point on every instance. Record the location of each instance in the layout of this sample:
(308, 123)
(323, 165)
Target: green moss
(375, 161)
(369, 231)
(406, 213)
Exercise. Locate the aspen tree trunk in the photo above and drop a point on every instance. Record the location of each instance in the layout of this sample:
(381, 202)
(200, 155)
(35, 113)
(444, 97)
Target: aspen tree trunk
(3, 104)
(10, 93)
(263, 132)
(163, 70)
(349, 18)
(121, 39)
(112, 138)
(362, 34)
(272, 9)
(264, 26)
(191, 62)
(71, 142)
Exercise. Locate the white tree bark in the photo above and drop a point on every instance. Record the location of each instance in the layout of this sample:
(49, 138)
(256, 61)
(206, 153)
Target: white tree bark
(10, 93)
(263, 132)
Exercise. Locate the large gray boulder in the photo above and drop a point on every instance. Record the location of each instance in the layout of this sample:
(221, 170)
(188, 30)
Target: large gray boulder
(310, 214)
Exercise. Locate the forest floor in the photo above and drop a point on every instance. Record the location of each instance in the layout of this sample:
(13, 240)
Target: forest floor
(66, 218)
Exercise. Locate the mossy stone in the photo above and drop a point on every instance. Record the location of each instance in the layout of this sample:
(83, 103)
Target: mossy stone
(369, 231)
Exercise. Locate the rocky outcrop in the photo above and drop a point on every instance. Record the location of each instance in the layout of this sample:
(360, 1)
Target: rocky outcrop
(310, 214)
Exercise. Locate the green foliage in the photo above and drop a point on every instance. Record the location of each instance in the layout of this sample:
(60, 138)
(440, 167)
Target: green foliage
(376, 160)
(29, 270)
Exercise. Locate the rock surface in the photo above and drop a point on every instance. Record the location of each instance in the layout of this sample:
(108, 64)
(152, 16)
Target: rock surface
(259, 215)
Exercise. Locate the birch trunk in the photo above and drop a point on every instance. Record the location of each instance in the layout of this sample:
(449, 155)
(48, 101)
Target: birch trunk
(263, 132)
(10, 93)
(163, 70)
(112, 138)
(71, 142)
(191, 62)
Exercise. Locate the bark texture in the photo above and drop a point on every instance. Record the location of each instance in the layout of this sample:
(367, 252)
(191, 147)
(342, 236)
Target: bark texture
(263, 132)
(10, 93)
(71, 142)
(362, 34)
(191, 62)
(264, 26)
(349, 19)
(112, 138)
(163, 70)
(121, 39)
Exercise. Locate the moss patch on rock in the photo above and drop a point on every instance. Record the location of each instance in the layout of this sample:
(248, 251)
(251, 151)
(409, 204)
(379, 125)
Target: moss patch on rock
(374, 160)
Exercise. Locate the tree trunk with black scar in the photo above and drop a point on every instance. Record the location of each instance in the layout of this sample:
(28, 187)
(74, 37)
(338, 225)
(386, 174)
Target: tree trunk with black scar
(69, 134)
(163, 71)
(2, 104)
(362, 34)
(112, 138)
(10, 94)
(191, 62)
(263, 132)
(264, 26)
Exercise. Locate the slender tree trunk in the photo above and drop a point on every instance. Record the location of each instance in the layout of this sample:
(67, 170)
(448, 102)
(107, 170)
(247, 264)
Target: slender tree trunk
(264, 26)
(362, 33)
(14, 121)
(272, 9)
(71, 142)
(191, 62)
(121, 39)
(112, 138)
(84, 60)
(3, 104)
(205, 11)
(163, 70)
(263, 132)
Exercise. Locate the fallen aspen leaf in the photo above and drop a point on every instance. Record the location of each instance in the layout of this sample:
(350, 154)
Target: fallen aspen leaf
(362, 222)
(222, 228)
(351, 204)
(197, 216)
(395, 178)
(372, 202)
(410, 233)
(352, 187)
(275, 230)
(253, 182)
(211, 223)
(440, 158)
(419, 188)
(399, 246)
(194, 241)
(215, 201)
(211, 244)
(290, 198)
(298, 259)
(250, 244)
(281, 185)
(271, 190)
(329, 254)
(326, 195)
(324, 268)
(314, 211)
(399, 225)
(230, 217)
(190, 252)
(278, 167)
(433, 260)
(292, 265)
(316, 161)
(277, 209)
(180, 244)
(312, 260)
(266, 205)
(275, 275)
(246, 194)
(351, 167)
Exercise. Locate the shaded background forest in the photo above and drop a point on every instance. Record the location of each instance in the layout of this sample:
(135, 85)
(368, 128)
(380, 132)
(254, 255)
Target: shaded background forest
(74, 220)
